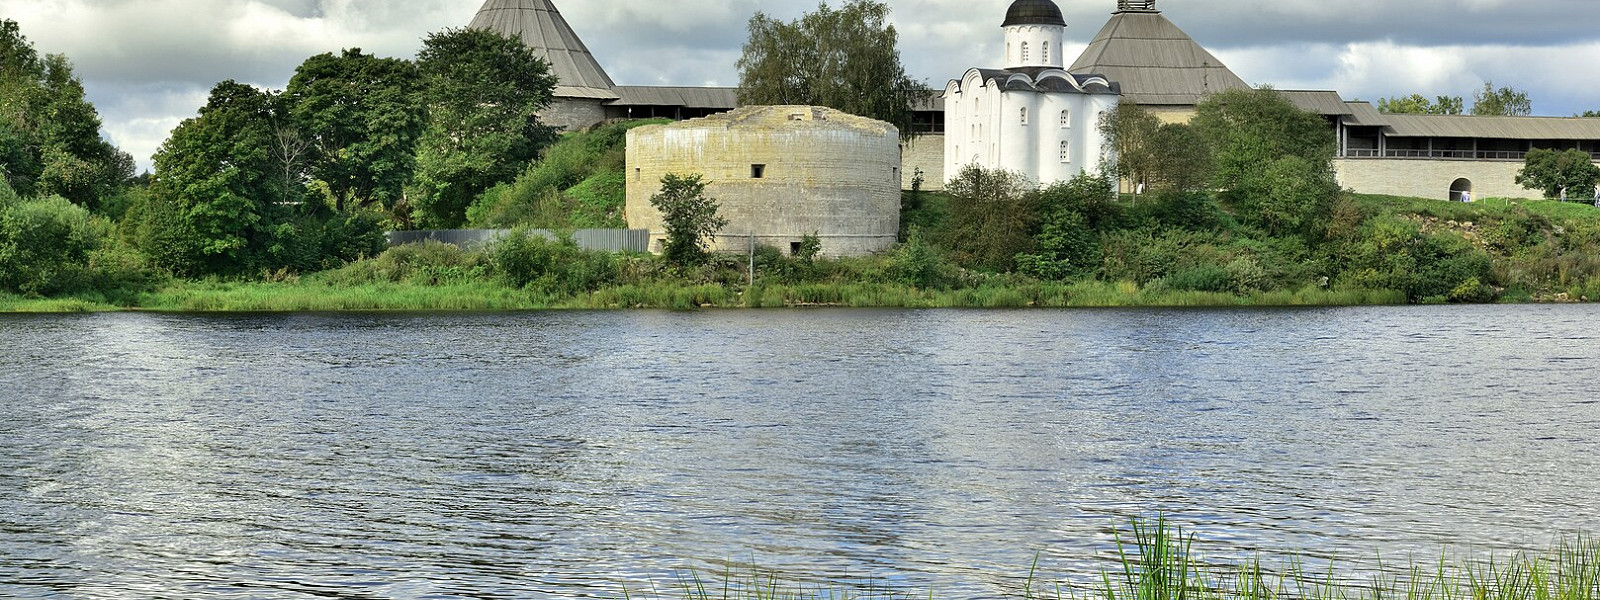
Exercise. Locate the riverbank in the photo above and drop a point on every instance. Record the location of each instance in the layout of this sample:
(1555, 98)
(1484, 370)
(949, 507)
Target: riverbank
(1379, 250)
(1156, 561)
(314, 296)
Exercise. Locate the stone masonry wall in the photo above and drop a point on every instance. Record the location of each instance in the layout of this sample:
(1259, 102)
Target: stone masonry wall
(841, 184)
(926, 152)
(1431, 178)
(572, 114)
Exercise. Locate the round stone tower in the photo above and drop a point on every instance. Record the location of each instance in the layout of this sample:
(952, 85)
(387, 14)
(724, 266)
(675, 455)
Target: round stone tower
(1034, 30)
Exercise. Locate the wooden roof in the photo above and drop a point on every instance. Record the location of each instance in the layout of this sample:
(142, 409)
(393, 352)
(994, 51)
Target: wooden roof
(539, 25)
(1155, 61)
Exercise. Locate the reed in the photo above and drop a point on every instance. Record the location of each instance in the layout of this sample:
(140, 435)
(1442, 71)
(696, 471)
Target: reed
(1155, 560)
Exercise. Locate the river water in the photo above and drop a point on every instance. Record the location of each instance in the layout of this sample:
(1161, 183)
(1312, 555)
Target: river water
(546, 455)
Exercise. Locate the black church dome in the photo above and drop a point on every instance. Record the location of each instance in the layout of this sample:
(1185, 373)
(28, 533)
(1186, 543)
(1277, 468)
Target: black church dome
(1034, 12)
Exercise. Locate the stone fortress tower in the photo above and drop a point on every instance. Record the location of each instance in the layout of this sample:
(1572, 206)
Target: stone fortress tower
(1032, 116)
(778, 173)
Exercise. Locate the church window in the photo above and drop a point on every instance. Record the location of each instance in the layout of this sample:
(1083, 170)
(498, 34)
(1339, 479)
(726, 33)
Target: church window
(1066, 151)
(1024, 53)
(1024, 115)
(1066, 118)
(1046, 51)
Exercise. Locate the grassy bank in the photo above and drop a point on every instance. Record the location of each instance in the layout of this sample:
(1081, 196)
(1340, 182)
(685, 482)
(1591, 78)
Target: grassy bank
(1385, 250)
(311, 296)
(1159, 562)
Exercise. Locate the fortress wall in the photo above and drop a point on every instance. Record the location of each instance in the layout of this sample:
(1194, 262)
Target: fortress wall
(1431, 178)
(926, 152)
(842, 184)
(571, 114)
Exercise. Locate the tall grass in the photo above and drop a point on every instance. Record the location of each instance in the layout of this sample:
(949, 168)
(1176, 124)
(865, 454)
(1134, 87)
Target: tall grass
(1158, 561)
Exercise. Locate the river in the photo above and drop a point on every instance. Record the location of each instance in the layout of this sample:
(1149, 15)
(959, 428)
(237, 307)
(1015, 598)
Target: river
(569, 454)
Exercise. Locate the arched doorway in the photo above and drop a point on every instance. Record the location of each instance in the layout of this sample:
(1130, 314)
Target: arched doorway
(1461, 191)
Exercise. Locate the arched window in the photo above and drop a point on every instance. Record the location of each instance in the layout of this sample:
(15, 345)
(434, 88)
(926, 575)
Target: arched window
(1024, 115)
(1024, 53)
(1066, 118)
(1046, 52)
(1066, 151)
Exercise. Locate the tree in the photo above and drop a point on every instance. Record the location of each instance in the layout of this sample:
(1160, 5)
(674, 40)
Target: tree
(993, 216)
(1416, 104)
(483, 93)
(1589, 114)
(1132, 131)
(1505, 102)
(216, 182)
(847, 59)
(50, 140)
(362, 115)
(690, 217)
(1274, 161)
(1552, 171)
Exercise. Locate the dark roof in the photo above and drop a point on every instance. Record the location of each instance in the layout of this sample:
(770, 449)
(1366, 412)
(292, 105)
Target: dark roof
(1044, 79)
(1155, 61)
(1034, 12)
(540, 26)
(687, 97)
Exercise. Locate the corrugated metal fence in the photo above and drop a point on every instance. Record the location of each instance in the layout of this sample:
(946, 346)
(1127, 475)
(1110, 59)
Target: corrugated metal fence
(604, 240)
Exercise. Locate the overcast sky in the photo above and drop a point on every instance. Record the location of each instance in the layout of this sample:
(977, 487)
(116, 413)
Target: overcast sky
(148, 64)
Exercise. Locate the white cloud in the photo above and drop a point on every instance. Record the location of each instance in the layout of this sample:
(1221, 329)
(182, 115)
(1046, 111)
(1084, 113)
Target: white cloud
(149, 63)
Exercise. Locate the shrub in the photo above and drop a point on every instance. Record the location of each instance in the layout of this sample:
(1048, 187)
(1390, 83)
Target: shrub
(554, 267)
(45, 246)
(425, 263)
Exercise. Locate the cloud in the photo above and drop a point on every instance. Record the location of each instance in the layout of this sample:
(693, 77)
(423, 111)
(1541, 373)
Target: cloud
(149, 63)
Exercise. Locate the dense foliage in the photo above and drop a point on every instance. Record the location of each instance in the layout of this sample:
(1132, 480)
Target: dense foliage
(577, 184)
(1558, 173)
(848, 59)
(50, 140)
(483, 93)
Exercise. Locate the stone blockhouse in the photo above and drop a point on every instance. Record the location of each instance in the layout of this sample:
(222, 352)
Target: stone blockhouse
(777, 173)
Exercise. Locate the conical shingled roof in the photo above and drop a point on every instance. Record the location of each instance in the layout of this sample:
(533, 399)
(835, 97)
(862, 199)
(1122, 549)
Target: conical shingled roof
(539, 25)
(1155, 61)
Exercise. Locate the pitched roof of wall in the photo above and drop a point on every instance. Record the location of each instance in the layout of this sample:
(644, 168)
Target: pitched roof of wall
(1155, 61)
(539, 25)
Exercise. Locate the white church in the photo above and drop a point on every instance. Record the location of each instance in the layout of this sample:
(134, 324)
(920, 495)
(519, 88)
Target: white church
(1031, 117)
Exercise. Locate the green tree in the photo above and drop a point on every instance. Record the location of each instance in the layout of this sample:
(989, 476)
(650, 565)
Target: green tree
(1266, 147)
(1504, 101)
(690, 218)
(50, 140)
(1416, 104)
(993, 216)
(1589, 114)
(847, 59)
(483, 93)
(362, 115)
(1552, 171)
(1183, 161)
(216, 183)
(1132, 131)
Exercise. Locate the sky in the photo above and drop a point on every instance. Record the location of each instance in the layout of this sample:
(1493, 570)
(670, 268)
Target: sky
(148, 64)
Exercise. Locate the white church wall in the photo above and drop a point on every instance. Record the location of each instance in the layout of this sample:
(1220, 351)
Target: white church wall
(1043, 44)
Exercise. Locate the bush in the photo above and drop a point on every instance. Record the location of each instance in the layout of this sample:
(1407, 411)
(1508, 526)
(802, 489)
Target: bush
(45, 246)
(425, 263)
(917, 264)
(554, 267)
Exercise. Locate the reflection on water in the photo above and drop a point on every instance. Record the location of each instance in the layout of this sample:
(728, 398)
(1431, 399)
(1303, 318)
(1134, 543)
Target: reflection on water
(568, 454)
